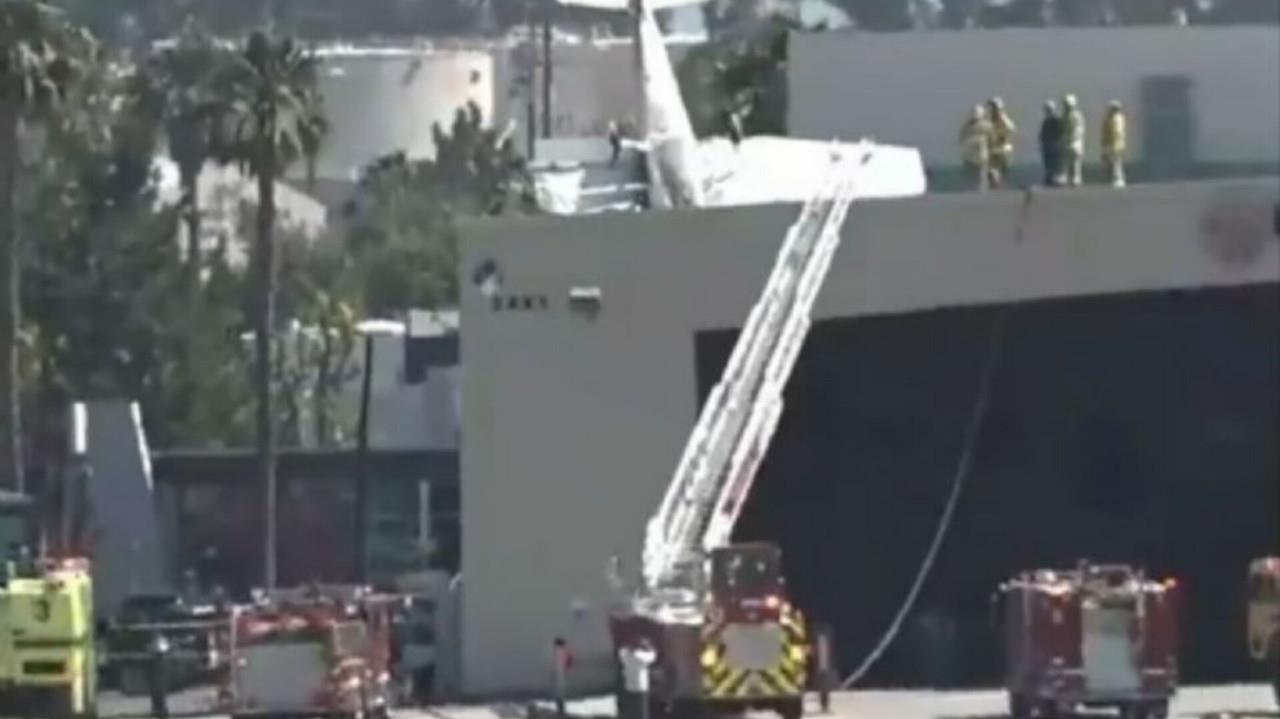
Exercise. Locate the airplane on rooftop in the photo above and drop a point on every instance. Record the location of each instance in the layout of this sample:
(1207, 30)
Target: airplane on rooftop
(684, 171)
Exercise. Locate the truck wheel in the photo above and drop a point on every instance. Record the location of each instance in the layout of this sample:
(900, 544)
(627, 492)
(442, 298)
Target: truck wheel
(133, 681)
(791, 708)
(1136, 710)
(1019, 707)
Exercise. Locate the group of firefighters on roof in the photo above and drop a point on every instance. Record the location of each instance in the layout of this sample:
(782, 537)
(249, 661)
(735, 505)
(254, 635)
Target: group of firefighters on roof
(988, 138)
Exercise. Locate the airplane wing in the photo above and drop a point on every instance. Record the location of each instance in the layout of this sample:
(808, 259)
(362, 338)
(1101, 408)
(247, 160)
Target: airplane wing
(765, 168)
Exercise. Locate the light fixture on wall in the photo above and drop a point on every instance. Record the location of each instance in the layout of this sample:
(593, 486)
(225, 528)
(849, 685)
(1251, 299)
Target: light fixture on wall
(585, 300)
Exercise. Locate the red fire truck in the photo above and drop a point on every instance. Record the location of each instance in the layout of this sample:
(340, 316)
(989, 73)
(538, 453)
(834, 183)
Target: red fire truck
(1096, 635)
(318, 651)
(741, 646)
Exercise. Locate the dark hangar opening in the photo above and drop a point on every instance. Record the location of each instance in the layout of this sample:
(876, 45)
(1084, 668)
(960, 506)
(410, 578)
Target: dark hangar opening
(1142, 428)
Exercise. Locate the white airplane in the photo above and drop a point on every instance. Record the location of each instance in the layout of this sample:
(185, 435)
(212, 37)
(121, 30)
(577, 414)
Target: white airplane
(684, 172)
(664, 122)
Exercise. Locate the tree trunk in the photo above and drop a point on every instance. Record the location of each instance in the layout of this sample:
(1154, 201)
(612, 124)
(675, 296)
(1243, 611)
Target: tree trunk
(11, 475)
(191, 191)
(323, 374)
(192, 219)
(264, 326)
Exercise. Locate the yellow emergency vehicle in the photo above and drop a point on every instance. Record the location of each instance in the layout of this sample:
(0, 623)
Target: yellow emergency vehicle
(47, 662)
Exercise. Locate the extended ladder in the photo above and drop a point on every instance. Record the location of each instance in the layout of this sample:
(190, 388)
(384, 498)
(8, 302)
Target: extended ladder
(735, 426)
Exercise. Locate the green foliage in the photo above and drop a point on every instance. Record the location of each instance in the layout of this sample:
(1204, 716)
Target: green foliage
(111, 309)
(98, 281)
(175, 89)
(403, 232)
(745, 74)
(268, 113)
(41, 57)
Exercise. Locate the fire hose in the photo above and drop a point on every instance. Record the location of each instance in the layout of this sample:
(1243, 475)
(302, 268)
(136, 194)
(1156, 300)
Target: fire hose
(973, 432)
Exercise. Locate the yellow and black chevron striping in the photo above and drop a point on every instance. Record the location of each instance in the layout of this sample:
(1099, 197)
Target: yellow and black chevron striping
(722, 680)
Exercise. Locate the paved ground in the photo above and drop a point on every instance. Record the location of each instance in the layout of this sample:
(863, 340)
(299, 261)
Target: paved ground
(1233, 702)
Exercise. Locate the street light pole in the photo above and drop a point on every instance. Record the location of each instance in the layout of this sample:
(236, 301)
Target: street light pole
(547, 6)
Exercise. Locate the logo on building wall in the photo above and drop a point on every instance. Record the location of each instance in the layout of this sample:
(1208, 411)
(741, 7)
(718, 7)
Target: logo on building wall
(1235, 230)
(487, 277)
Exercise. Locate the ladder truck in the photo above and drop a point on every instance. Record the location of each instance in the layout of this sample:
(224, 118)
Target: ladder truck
(717, 616)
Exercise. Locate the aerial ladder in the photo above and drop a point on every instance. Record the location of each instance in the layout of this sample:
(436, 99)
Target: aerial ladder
(703, 603)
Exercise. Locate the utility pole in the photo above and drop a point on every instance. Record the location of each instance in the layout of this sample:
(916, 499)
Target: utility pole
(547, 6)
(531, 87)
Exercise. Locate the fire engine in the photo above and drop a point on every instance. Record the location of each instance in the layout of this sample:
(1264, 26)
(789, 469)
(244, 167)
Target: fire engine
(1264, 616)
(725, 633)
(316, 651)
(1097, 635)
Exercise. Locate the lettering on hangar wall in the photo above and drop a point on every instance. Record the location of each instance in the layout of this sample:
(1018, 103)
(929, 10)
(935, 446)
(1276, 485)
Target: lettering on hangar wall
(487, 277)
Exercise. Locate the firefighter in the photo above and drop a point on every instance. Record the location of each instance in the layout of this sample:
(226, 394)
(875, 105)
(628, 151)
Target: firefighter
(157, 675)
(825, 669)
(1073, 140)
(562, 660)
(975, 137)
(1114, 143)
(636, 662)
(615, 143)
(733, 123)
(1051, 144)
(1003, 130)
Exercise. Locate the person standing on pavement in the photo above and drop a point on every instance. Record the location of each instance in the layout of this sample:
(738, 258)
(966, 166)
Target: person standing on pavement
(1073, 132)
(733, 125)
(157, 676)
(1051, 144)
(637, 661)
(615, 143)
(975, 138)
(1003, 130)
(1114, 143)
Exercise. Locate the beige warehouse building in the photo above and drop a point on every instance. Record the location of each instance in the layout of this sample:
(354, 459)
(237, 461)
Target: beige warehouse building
(574, 415)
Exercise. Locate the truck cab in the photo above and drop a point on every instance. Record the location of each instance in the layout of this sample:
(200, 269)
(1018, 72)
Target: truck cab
(1264, 616)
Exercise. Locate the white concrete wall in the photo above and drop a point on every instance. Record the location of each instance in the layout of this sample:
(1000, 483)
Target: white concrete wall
(916, 88)
(381, 101)
(573, 425)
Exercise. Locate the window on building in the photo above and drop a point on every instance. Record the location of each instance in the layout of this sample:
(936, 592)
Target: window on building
(1168, 122)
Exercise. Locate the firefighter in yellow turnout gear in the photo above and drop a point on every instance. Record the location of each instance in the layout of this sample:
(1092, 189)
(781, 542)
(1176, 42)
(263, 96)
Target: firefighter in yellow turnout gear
(1003, 131)
(782, 675)
(1073, 135)
(1114, 143)
(975, 138)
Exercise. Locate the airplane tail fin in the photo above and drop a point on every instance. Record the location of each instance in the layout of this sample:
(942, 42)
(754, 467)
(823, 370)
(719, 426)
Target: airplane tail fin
(626, 4)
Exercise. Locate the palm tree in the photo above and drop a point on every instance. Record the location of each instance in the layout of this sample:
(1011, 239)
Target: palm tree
(270, 115)
(176, 90)
(40, 56)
